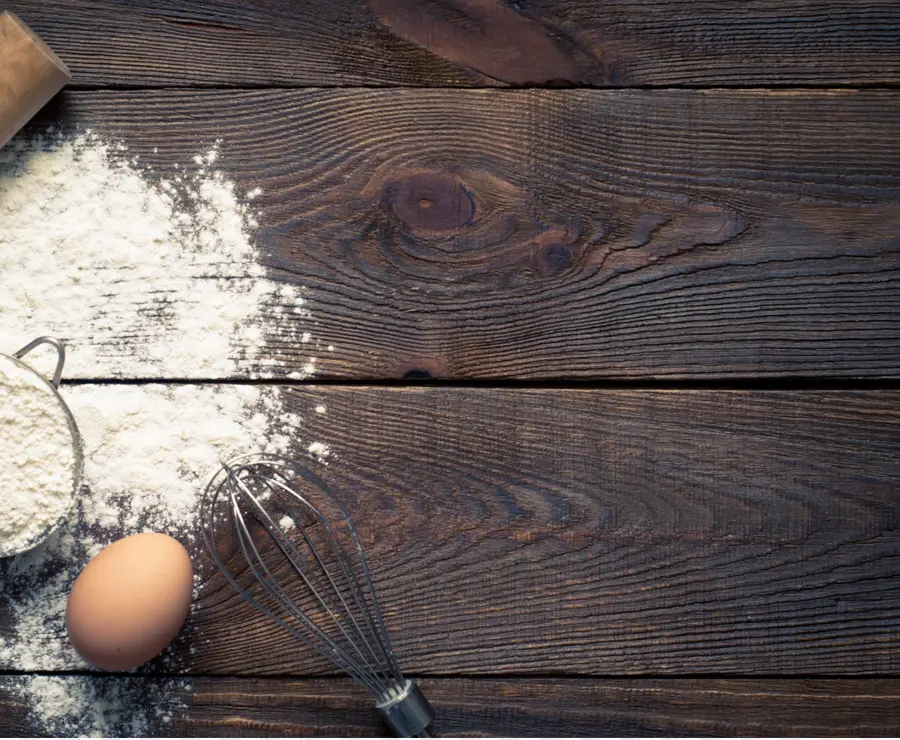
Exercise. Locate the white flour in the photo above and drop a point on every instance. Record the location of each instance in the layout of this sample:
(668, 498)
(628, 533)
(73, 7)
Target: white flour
(142, 278)
(37, 458)
(320, 451)
(149, 450)
(84, 706)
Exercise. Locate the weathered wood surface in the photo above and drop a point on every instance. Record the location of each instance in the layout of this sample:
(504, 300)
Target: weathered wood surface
(600, 533)
(472, 42)
(232, 707)
(587, 234)
(604, 533)
(559, 234)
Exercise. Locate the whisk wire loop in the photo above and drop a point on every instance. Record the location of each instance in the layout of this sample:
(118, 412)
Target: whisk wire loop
(271, 585)
(349, 579)
(259, 511)
(293, 557)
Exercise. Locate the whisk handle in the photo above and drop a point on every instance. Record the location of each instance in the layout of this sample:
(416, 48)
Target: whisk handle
(409, 714)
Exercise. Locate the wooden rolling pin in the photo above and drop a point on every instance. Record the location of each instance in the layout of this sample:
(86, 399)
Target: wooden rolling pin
(30, 75)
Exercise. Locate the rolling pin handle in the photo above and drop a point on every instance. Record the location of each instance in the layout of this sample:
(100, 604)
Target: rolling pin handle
(30, 75)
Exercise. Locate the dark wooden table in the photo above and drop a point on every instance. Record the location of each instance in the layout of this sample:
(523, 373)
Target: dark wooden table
(615, 294)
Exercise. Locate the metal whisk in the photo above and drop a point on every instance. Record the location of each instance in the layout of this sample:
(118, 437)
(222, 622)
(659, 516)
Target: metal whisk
(286, 543)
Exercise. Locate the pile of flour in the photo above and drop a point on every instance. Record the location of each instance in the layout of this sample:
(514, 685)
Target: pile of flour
(145, 278)
(142, 277)
(37, 458)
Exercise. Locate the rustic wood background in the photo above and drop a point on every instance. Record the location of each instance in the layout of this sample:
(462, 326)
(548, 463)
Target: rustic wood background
(614, 289)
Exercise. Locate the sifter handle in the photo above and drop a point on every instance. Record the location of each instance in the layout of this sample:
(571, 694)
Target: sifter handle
(60, 355)
(30, 75)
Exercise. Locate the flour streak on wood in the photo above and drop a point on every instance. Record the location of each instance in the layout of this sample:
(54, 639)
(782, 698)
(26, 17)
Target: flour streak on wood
(235, 707)
(473, 42)
(600, 533)
(535, 234)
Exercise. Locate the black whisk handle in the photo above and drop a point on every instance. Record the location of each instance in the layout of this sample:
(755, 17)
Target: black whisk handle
(409, 714)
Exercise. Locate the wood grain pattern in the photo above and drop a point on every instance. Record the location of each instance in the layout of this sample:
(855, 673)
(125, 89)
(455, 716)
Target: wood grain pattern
(578, 234)
(603, 533)
(230, 707)
(537, 708)
(622, 540)
(472, 42)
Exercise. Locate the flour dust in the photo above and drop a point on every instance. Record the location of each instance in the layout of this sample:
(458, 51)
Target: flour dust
(87, 706)
(142, 277)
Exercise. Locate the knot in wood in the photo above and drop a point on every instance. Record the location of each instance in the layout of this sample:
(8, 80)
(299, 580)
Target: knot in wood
(554, 257)
(430, 201)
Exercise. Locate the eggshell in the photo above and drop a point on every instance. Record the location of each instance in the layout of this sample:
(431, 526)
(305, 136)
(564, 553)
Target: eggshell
(130, 601)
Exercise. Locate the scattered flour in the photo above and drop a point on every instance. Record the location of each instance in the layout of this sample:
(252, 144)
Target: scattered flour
(148, 453)
(143, 278)
(83, 706)
(320, 451)
(37, 458)
(140, 276)
(149, 449)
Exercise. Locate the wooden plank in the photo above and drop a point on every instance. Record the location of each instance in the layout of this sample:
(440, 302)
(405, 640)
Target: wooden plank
(599, 533)
(230, 707)
(579, 234)
(472, 42)
(604, 533)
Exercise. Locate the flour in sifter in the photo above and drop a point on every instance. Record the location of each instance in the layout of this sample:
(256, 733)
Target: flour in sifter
(37, 458)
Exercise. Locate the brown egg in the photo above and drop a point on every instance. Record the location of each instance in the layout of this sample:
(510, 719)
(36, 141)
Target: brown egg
(130, 601)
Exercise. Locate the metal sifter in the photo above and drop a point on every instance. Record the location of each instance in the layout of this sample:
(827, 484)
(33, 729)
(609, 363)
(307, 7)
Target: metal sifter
(52, 385)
